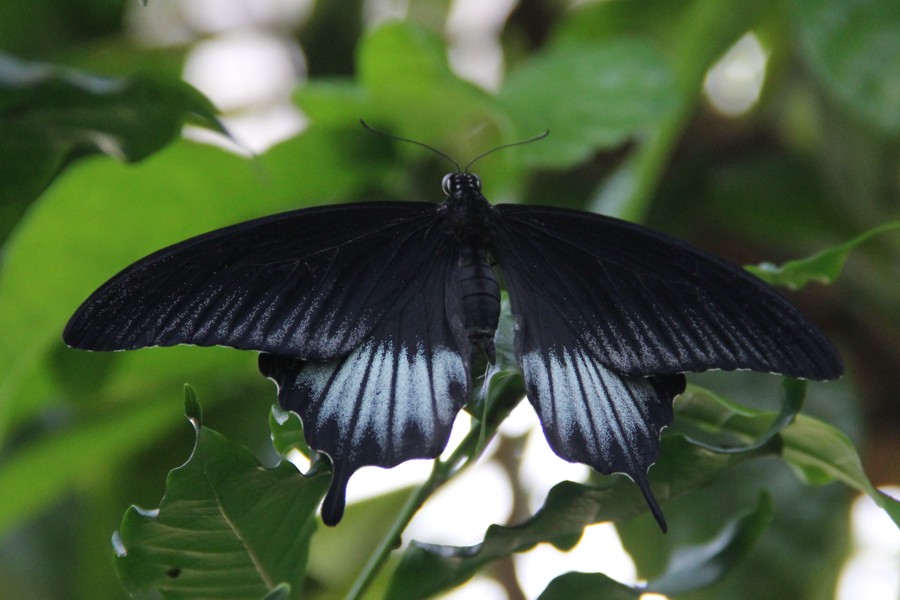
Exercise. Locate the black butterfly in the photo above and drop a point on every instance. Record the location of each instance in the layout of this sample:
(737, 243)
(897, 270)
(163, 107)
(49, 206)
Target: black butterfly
(368, 317)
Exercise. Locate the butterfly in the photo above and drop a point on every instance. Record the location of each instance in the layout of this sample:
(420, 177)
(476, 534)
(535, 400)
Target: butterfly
(369, 316)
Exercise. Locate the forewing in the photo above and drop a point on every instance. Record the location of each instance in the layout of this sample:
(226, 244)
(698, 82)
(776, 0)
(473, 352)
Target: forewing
(395, 396)
(643, 303)
(310, 284)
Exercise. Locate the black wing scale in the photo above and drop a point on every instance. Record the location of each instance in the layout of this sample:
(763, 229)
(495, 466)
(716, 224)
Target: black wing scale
(309, 284)
(643, 303)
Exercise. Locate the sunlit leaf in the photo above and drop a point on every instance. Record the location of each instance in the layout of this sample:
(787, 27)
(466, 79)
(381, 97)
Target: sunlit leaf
(102, 214)
(226, 527)
(51, 114)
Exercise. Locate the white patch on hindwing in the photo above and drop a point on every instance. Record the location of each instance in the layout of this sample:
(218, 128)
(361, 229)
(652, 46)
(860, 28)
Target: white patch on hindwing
(575, 393)
(381, 393)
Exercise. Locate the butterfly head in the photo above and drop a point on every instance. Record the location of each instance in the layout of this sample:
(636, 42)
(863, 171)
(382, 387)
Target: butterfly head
(457, 185)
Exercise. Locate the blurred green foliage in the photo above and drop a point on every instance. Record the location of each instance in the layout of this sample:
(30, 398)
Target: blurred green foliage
(94, 176)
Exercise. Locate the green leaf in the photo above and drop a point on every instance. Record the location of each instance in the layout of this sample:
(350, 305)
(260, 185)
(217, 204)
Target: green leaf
(574, 585)
(818, 452)
(281, 591)
(100, 216)
(854, 47)
(589, 95)
(42, 470)
(794, 394)
(569, 507)
(50, 115)
(690, 568)
(287, 432)
(822, 454)
(824, 267)
(400, 64)
(695, 567)
(226, 528)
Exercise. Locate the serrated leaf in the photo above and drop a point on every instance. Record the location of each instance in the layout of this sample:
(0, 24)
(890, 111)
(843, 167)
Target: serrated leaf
(226, 527)
(589, 96)
(569, 507)
(50, 114)
(854, 47)
(824, 267)
(695, 567)
(574, 585)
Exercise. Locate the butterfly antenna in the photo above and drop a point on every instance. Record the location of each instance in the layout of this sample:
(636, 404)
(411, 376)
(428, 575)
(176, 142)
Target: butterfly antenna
(417, 143)
(492, 150)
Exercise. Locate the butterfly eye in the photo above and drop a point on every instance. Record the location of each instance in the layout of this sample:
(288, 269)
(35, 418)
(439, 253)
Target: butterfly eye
(445, 184)
(476, 180)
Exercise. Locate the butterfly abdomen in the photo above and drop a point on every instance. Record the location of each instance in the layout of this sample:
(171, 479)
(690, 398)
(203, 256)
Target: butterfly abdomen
(480, 296)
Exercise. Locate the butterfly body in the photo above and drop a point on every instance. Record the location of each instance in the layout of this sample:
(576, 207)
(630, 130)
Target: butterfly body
(369, 316)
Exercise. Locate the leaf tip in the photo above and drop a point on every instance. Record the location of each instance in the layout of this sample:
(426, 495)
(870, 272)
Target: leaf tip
(192, 409)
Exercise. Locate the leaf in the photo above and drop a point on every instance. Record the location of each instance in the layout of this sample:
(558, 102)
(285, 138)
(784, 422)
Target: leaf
(42, 470)
(854, 48)
(576, 585)
(818, 452)
(824, 267)
(287, 432)
(695, 567)
(691, 567)
(822, 454)
(100, 216)
(50, 115)
(400, 64)
(226, 527)
(569, 507)
(589, 95)
(794, 394)
(281, 591)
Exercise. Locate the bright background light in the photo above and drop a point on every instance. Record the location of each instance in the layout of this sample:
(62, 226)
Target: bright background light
(734, 83)
(873, 570)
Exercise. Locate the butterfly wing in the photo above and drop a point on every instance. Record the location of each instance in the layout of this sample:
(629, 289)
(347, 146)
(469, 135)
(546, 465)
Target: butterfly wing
(608, 314)
(643, 303)
(310, 283)
(589, 413)
(395, 396)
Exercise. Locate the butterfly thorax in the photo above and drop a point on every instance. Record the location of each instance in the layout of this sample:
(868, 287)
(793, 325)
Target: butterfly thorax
(479, 293)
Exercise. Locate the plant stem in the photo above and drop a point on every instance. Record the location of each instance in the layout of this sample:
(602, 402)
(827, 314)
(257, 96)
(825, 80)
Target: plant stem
(442, 472)
(467, 452)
